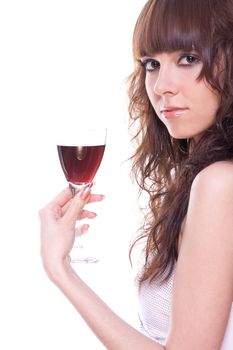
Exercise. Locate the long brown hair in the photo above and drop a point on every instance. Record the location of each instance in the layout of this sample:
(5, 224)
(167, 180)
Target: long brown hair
(165, 167)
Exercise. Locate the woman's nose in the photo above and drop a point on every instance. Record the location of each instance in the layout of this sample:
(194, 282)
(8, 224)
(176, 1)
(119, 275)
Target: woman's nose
(166, 82)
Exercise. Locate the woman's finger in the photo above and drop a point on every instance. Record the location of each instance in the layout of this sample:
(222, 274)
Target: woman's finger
(63, 197)
(92, 199)
(86, 214)
(96, 198)
(80, 230)
(54, 208)
(77, 204)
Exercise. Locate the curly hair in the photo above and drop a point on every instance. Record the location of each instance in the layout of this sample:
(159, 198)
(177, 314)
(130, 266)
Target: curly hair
(165, 167)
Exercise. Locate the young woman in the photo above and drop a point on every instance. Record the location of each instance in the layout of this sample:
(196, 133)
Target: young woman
(181, 99)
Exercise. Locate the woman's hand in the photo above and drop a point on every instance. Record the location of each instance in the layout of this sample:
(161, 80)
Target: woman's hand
(58, 226)
(58, 221)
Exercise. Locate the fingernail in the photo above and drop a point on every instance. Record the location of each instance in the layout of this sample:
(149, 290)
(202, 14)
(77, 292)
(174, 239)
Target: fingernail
(84, 194)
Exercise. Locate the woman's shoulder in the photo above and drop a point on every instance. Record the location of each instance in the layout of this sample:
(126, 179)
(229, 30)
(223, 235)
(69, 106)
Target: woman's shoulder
(218, 175)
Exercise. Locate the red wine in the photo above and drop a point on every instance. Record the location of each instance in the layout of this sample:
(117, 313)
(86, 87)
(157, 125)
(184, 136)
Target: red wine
(80, 163)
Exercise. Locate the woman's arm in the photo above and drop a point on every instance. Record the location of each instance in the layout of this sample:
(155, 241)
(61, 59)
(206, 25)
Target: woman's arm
(112, 331)
(203, 286)
(57, 237)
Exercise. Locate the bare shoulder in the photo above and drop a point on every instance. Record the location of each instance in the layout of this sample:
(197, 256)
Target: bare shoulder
(205, 261)
(212, 190)
(215, 177)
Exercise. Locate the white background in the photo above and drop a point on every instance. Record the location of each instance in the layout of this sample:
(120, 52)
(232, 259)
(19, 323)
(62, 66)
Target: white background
(62, 63)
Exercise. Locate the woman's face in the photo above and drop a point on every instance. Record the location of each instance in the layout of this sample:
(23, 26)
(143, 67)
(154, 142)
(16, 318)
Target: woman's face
(187, 106)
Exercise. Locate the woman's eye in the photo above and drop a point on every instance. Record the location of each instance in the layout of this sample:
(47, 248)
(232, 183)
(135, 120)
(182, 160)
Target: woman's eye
(150, 65)
(189, 60)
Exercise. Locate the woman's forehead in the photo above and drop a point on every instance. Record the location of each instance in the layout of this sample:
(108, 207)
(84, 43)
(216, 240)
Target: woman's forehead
(170, 25)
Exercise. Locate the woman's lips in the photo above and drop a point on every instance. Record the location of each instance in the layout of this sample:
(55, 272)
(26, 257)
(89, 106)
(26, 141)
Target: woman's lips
(172, 113)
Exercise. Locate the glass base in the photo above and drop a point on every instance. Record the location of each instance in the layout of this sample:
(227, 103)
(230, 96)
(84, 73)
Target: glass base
(84, 260)
(81, 255)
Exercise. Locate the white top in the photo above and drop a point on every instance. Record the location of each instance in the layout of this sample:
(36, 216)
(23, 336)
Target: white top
(155, 309)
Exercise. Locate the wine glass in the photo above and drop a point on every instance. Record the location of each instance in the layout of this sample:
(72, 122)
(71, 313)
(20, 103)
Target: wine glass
(80, 157)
